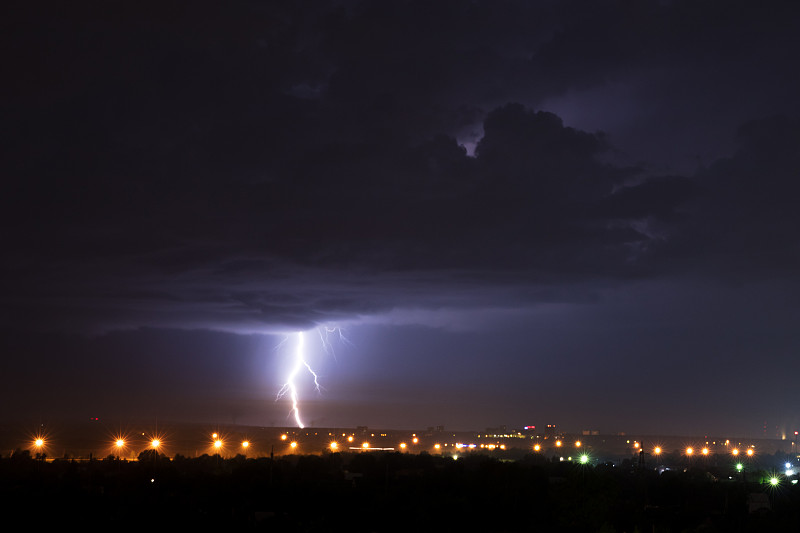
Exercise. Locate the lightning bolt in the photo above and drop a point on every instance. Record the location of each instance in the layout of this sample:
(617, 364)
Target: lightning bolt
(301, 362)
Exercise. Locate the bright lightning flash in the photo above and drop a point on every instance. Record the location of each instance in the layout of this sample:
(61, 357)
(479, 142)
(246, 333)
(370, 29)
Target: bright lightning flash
(300, 363)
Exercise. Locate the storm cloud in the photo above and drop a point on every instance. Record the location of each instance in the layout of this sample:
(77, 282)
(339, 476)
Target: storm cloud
(270, 166)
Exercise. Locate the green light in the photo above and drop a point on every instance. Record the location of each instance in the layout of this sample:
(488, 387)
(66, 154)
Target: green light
(739, 467)
(584, 459)
(774, 481)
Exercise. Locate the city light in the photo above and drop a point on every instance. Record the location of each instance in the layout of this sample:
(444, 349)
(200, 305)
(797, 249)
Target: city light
(38, 443)
(739, 467)
(119, 444)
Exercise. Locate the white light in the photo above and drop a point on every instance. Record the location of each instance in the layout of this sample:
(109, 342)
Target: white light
(289, 386)
(300, 361)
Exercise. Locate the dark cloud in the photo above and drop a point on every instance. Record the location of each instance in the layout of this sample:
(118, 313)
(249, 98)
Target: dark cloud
(740, 225)
(529, 206)
(269, 166)
(162, 158)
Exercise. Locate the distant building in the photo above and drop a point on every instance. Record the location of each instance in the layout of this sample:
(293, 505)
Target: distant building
(497, 431)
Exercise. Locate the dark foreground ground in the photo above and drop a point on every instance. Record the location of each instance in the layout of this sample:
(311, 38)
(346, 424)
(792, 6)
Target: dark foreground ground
(366, 492)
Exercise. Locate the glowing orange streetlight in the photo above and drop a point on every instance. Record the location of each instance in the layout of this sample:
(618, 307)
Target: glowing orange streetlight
(403, 445)
(365, 445)
(537, 447)
(334, 446)
(689, 451)
(735, 451)
(704, 451)
(657, 450)
(119, 444)
(558, 443)
(293, 445)
(415, 440)
(577, 444)
(750, 452)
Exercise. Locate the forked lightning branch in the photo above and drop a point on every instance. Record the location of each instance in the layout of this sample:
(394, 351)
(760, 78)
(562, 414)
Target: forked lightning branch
(300, 365)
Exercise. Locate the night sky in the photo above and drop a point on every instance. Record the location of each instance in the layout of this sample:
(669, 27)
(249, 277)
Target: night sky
(573, 212)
